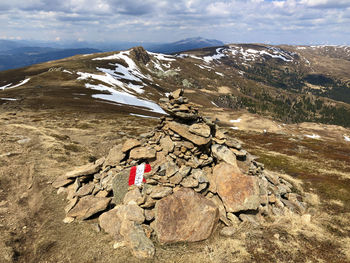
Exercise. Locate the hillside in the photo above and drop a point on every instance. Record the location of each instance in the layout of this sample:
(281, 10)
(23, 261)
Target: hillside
(288, 83)
(61, 114)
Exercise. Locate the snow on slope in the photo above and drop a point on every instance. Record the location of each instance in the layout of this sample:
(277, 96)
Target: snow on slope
(124, 98)
(8, 86)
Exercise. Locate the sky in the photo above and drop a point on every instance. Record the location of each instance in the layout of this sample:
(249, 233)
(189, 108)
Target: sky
(231, 21)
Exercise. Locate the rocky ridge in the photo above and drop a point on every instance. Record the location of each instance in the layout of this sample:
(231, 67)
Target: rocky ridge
(199, 177)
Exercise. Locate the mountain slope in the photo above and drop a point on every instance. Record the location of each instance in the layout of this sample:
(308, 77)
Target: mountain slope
(288, 83)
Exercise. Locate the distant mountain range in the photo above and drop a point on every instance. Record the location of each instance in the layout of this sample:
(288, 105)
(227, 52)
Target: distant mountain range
(16, 54)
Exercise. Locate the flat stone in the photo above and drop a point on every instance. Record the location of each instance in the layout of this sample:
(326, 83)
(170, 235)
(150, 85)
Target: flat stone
(86, 169)
(237, 191)
(241, 154)
(185, 216)
(222, 153)
(143, 153)
(88, 206)
(85, 190)
(189, 182)
(160, 192)
(62, 181)
(200, 129)
(130, 144)
(170, 169)
(115, 156)
(183, 131)
(71, 204)
(176, 179)
(120, 185)
(167, 144)
(68, 220)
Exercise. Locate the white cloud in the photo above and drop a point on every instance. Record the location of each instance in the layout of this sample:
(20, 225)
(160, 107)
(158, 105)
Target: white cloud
(287, 21)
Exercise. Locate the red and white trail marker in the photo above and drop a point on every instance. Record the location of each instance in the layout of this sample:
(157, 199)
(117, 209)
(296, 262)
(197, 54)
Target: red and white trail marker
(136, 174)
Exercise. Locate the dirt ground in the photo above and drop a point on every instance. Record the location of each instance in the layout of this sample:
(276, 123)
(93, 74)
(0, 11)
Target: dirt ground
(37, 145)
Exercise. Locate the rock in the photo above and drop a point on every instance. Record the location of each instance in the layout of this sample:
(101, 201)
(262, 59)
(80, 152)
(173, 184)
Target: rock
(185, 216)
(272, 178)
(249, 218)
(189, 182)
(62, 181)
(222, 153)
(141, 246)
(110, 223)
(237, 191)
(115, 156)
(131, 212)
(87, 169)
(142, 153)
(242, 154)
(220, 135)
(88, 206)
(170, 169)
(233, 143)
(120, 186)
(130, 144)
(132, 197)
(233, 219)
(68, 220)
(200, 175)
(160, 192)
(85, 190)
(102, 193)
(183, 131)
(71, 204)
(222, 212)
(176, 179)
(200, 129)
(228, 231)
(149, 214)
(176, 94)
(167, 145)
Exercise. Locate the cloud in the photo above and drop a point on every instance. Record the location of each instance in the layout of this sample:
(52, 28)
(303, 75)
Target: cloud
(166, 20)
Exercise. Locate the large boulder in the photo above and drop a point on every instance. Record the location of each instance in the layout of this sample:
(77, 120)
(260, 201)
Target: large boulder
(237, 191)
(185, 216)
(142, 153)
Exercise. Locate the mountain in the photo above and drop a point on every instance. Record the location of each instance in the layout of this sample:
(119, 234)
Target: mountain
(185, 44)
(287, 83)
(25, 56)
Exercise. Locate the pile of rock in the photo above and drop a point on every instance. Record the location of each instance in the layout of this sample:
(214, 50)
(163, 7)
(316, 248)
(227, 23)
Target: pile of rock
(199, 177)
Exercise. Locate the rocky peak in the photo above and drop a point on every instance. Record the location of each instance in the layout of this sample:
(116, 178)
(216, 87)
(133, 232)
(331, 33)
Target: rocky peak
(140, 54)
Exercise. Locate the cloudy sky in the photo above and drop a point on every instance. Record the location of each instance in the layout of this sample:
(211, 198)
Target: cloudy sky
(232, 21)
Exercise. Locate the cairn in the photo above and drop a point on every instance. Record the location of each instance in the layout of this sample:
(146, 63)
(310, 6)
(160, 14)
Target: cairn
(195, 177)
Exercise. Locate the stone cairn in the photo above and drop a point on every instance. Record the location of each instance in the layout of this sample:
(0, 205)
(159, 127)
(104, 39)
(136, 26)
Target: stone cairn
(199, 177)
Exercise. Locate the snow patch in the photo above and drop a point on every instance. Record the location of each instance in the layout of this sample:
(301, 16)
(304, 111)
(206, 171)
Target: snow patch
(143, 116)
(212, 102)
(236, 121)
(67, 71)
(313, 136)
(220, 74)
(9, 99)
(8, 86)
(162, 56)
(346, 138)
(217, 56)
(234, 128)
(124, 98)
